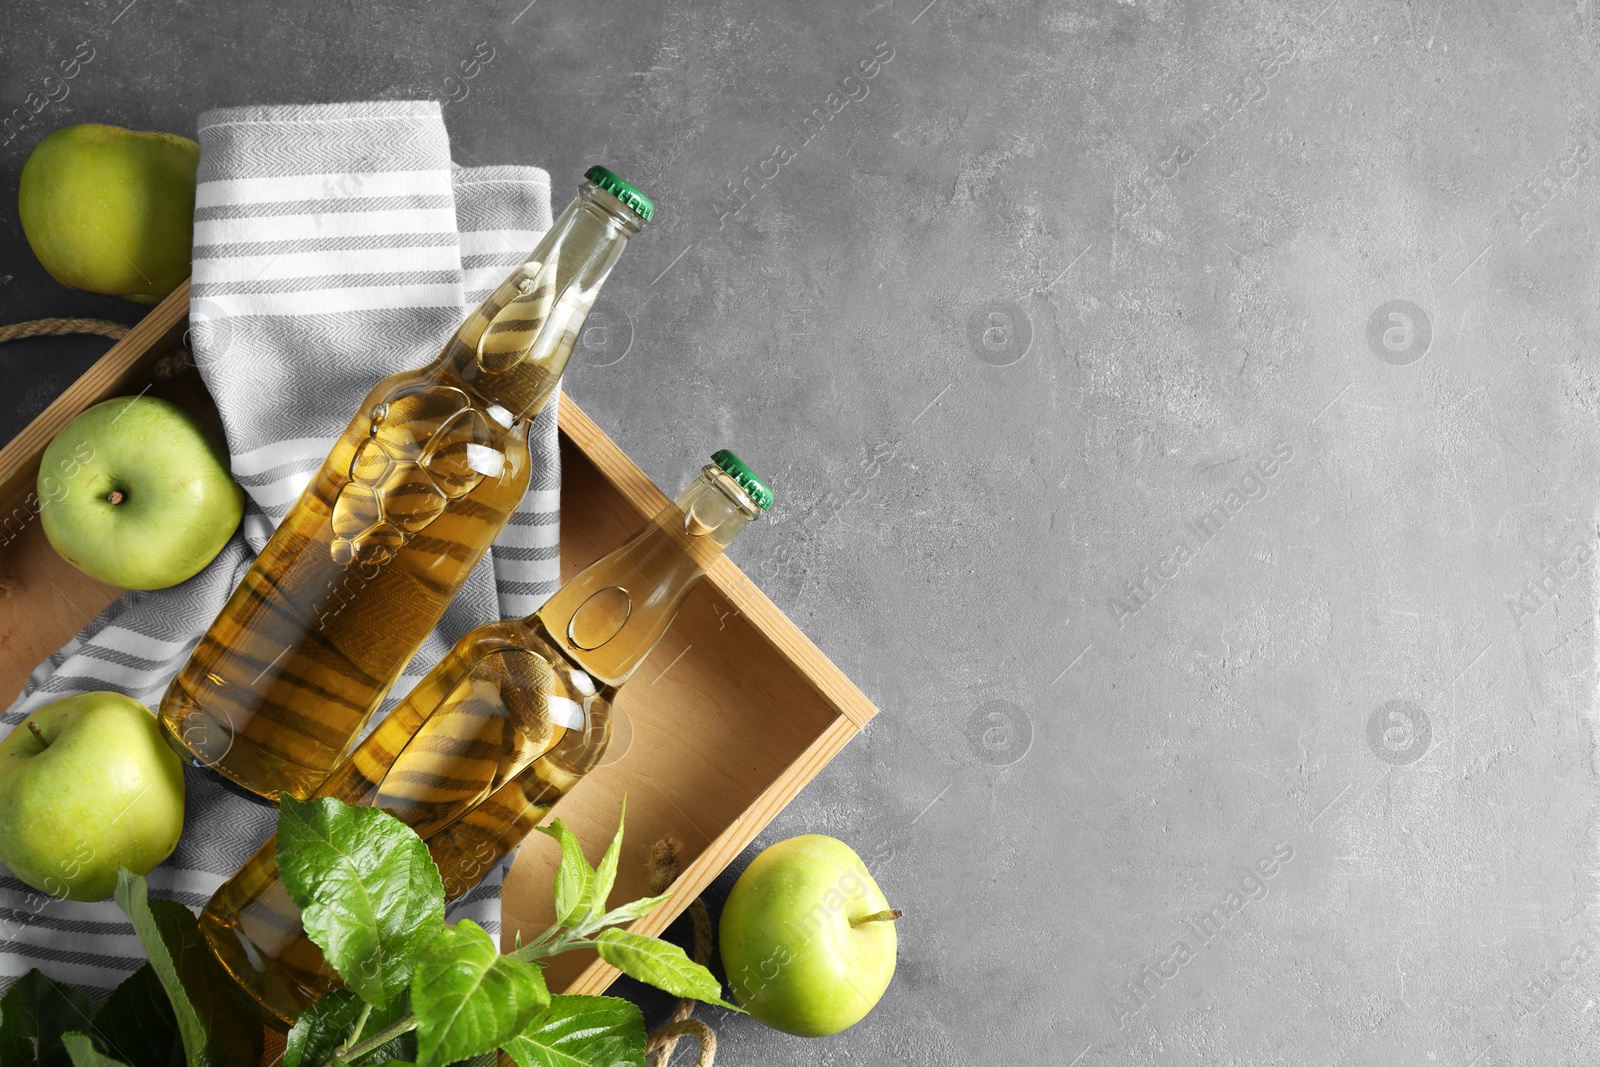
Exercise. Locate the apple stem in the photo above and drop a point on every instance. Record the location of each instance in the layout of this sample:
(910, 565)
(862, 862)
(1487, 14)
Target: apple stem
(876, 917)
(33, 727)
(115, 496)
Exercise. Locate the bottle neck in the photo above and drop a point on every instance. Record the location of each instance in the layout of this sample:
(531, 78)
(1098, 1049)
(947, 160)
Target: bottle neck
(609, 618)
(512, 350)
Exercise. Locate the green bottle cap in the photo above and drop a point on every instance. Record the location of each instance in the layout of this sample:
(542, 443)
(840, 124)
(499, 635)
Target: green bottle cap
(747, 479)
(613, 184)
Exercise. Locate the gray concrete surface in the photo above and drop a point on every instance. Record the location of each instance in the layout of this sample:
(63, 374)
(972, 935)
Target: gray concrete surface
(1074, 296)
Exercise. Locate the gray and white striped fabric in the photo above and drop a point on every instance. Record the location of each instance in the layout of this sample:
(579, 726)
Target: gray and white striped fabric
(334, 245)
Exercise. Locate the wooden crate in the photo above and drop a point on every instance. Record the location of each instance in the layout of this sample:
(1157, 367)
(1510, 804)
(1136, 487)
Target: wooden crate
(732, 715)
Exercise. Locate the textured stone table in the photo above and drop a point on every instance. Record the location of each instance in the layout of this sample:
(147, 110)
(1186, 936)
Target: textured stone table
(1184, 421)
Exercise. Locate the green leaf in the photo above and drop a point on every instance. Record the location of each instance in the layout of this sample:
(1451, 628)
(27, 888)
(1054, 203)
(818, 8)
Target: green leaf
(321, 1028)
(573, 877)
(326, 1025)
(605, 875)
(661, 964)
(34, 1013)
(214, 1029)
(582, 1031)
(84, 1054)
(468, 998)
(136, 1023)
(369, 893)
(637, 909)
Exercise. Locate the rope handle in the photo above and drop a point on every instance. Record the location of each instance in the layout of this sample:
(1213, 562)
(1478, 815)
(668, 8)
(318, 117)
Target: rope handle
(665, 1040)
(664, 867)
(62, 327)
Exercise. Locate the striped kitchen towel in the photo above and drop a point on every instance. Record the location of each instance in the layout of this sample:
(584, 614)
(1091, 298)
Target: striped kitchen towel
(333, 245)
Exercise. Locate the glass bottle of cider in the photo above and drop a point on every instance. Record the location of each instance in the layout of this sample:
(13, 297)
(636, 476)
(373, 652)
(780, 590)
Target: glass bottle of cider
(365, 563)
(502, 728)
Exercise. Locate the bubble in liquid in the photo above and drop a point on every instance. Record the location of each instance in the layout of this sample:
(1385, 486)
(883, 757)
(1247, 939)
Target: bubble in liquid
(370, 463)
(355, 511)
(409, 498)
(379, 544)
(449, 457)
(413, 417)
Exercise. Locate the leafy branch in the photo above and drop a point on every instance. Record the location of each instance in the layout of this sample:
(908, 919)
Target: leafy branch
(417, 991)
(347, 868)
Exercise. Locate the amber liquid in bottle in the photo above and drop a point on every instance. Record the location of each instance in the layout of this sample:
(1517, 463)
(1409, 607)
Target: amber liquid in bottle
(407, 503)
(498, 732)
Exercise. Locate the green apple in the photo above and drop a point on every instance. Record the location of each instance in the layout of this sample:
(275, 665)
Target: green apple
(111, 210)
(808, 939)
(87, 784)
(135, 493)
